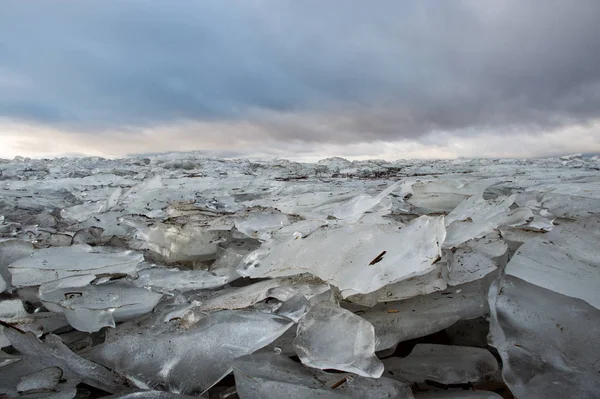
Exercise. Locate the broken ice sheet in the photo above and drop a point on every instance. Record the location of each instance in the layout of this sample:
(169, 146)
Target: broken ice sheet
(330, 337)
(42, 380)
(444, 364)
(51, 352)
(44, 265)
(476, 217)
(565, 260)
(281, 289)
(272, 376)
(162, 279)
(444, 195)
(476, 259)
(548, 342)
(189, 356)
(260, 225)
(352, 210)
(357, 259)
(190, 242)
(435, 280)
(11, 251)
(13, 312)
(423, 315)
(90, 307)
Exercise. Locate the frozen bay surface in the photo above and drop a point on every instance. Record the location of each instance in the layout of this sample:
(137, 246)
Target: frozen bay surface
(181, 275)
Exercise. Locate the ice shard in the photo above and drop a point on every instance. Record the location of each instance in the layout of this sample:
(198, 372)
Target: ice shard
(272, 376)
(358, 259)
(51, 352)
(423, 315)
(45, 265)
(89, 307)
(547, 341)
(167, 280)
(444, 364)
(330, 337)
(189, 356)
(565, 260)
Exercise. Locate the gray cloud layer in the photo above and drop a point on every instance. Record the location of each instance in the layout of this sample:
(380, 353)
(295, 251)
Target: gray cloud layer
(339, 71)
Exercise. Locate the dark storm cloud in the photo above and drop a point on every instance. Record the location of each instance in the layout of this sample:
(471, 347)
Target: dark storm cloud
(342, 71)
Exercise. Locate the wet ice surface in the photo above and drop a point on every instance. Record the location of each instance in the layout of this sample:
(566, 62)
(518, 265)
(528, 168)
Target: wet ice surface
(178, 276)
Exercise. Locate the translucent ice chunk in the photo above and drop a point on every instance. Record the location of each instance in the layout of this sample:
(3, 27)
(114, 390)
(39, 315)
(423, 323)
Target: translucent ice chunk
(330, 337)
(445, 195)
(476, 217)
(547, 341)
(435, 280)
(313, 205)
(353, 210)
(174, 243)
(52, 352)
(358, 258)
(13, 313)
(261, 225)
(49, 264)
(478, 209)
(416, 317)
(166, 280)
(271, 376)
(42, 380)
(444, 364)
(90, 307)
(111, 201)
(11, 251)
(281, 289)
(565, 260)
(189, 358)
(468, 265)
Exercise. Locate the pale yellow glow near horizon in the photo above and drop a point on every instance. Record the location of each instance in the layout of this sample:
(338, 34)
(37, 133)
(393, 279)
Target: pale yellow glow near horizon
(40, 141)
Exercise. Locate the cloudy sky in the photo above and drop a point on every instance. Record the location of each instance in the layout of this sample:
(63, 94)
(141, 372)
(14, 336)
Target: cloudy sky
(300, 79)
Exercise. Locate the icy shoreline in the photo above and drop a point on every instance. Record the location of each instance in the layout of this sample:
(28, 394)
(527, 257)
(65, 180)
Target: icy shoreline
(408, 278)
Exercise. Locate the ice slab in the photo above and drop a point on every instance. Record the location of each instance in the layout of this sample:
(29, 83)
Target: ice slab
(330, 337)
(435, 280)
(444, 364)
(565, 260)
(476, 217)
(266, 376)
(262, 224)
(42, 380)
(10, 251)
(162, 279)
(547, 341)
(358, 259)
(352, 210)
(444, 195)
(423, 315)
(13, 312)
(190, 242)
(51, 352)
(44, 265)
(189, 358)
(89, 307)
(281, 289)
